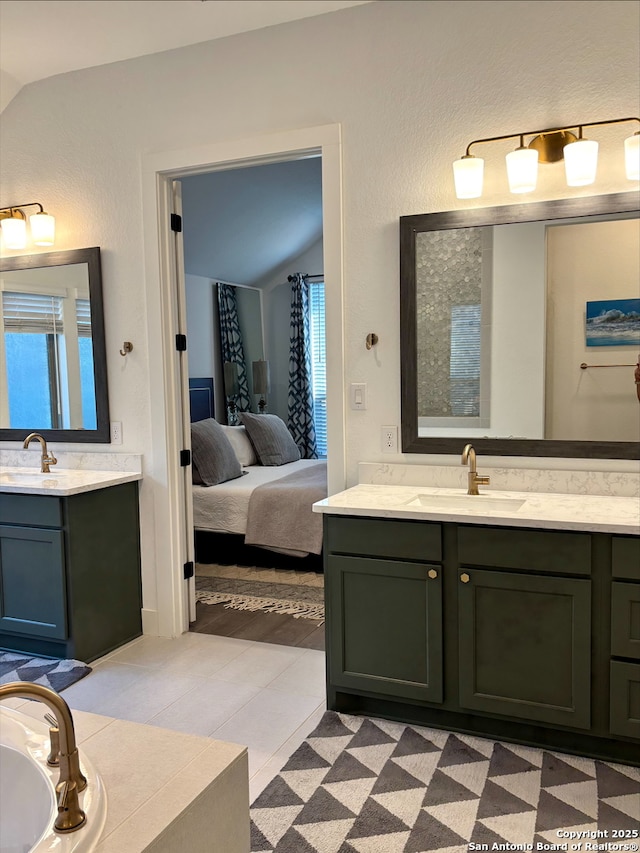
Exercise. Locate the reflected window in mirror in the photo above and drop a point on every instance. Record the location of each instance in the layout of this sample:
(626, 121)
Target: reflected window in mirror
(535, 266)
(52, 354)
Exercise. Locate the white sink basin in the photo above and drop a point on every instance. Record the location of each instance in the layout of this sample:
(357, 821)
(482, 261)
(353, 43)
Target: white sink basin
(467, 502)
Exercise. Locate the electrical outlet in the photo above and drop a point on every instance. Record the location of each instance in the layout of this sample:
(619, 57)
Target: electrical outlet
(116, 432)
(389, 438)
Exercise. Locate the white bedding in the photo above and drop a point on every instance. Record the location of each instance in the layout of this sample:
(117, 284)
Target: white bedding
(223, 508)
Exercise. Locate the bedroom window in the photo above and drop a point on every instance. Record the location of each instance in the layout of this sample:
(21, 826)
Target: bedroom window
(318, 363)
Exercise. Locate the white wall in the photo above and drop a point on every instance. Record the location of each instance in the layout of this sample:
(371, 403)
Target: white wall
(411, 83)
(600, 403)
(517, 334)
(203, 340)
(277, 313)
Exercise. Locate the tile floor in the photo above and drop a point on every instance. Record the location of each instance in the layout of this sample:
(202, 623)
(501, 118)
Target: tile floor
(265, 696)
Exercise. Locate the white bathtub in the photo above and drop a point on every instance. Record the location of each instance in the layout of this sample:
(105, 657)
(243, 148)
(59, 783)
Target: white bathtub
(27, 792)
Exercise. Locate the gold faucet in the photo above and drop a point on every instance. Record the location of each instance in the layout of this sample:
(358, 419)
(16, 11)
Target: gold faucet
(475, 480)
(47, 455)
(71, 782)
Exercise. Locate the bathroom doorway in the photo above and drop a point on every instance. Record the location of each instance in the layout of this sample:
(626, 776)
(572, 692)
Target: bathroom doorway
(245, 233)
(170, 596)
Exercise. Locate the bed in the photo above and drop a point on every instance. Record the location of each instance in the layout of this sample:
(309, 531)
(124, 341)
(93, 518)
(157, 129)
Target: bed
(252, 492)
(238, 506)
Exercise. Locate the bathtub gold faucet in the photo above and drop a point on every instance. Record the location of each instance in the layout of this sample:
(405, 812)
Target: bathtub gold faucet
(47, 455)
(71, 782)
(474, 479)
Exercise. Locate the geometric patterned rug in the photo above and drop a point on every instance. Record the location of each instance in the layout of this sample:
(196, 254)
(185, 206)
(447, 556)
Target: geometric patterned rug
(56, 674)
(362, 785)
(300, 594)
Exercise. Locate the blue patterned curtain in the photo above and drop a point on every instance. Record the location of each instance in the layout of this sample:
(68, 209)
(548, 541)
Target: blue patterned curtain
(300, 401)
(231, 342)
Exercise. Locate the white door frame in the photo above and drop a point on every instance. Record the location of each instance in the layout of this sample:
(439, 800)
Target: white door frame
(158, 172)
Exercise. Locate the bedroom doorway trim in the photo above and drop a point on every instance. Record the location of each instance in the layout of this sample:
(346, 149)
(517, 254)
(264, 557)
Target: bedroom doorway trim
(165, 610)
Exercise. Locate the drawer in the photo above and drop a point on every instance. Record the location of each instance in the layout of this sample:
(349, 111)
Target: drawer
(540, 551)
(625, 557)
(33, 510)
(625, 620)
(625, 699)
(408, 540)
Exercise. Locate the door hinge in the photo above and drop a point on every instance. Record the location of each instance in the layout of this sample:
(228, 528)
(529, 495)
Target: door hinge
(176, 223)
(188, 570)
(185, 458)
(181, 343)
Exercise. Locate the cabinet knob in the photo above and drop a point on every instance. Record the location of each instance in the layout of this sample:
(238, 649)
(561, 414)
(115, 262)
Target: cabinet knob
(464, 577)
(432, 573)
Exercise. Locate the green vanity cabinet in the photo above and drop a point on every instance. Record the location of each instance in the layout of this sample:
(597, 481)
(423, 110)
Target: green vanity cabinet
(385, 619)
(625, 637)
(70, 581)
(516, 634)
(525, 646)
(388, 630)
(524, 617)
(22, 612)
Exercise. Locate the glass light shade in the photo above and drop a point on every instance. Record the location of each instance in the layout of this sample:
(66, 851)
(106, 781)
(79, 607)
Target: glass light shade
(468, 173)
(581, 162)
(14, 233)
(522, 170)
(43, 229)
(632, 157)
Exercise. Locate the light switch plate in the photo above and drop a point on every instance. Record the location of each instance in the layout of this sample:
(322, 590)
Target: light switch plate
(358, 395)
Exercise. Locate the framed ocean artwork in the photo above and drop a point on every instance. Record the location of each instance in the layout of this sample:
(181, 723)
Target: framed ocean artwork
(613, 323)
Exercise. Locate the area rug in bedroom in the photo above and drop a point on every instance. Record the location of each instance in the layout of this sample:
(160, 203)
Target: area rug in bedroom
(298, 593)
(56, 674)
(361, 785)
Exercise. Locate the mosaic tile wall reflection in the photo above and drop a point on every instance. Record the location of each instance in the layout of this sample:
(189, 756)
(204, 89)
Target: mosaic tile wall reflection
(448, 273)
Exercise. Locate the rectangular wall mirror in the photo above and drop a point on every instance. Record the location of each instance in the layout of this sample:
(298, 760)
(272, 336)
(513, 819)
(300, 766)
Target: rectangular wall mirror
(494, 349)
(53, 368)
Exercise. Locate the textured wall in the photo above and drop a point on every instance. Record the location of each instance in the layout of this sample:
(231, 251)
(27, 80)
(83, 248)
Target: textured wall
(411, 84)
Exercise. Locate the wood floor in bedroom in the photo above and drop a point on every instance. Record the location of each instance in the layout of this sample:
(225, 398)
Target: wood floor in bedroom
(278, 628)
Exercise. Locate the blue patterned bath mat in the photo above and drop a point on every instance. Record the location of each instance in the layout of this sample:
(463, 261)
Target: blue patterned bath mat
(56, 674)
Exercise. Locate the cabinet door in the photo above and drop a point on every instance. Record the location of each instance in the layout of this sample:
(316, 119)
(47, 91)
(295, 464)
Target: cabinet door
(625, 699)
(385, 624)
(32, 582)
(625, 620)
(525, 646)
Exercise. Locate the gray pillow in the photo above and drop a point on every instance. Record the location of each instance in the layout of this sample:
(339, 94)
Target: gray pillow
(213, 456)
(271, 439)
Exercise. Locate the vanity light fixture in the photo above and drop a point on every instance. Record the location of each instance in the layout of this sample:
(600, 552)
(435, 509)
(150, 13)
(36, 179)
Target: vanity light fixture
(13, 224)
(551, 145)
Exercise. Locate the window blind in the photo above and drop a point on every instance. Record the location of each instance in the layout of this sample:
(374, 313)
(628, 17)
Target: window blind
(83, 315)
(464, 370)
(32, 313)
(318, 363)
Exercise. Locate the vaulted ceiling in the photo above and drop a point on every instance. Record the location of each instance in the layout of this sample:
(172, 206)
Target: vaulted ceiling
(40, 38)
(240, 225)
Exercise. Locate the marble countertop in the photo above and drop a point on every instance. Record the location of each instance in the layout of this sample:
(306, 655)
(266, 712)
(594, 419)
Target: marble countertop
(597, 513)
(166, 790)
(60, 481)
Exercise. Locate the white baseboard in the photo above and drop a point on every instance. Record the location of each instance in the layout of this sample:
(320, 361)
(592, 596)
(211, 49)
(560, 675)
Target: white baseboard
(150, 622)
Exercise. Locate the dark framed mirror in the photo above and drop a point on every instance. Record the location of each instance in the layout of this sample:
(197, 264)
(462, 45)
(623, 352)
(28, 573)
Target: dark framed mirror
(496, 347)
(53, 365)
